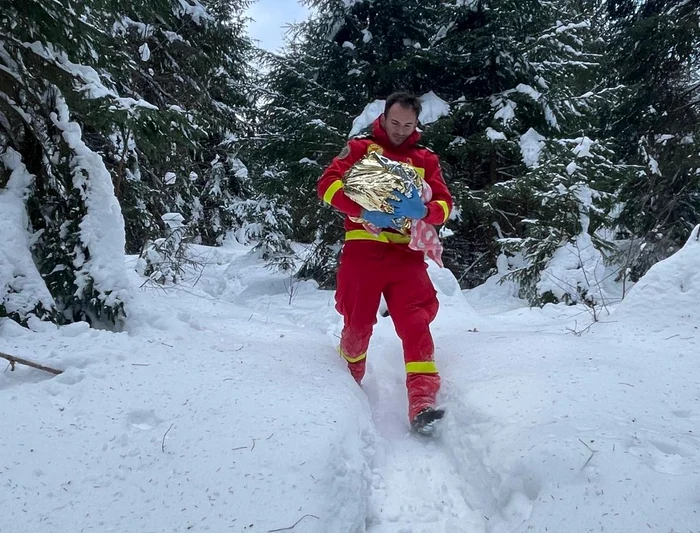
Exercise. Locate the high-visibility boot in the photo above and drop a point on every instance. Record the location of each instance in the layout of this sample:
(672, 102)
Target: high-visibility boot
(358, 370)
(356, 365)
(422, 390)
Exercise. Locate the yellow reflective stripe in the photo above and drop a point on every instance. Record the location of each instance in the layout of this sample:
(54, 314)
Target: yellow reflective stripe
(420, 171)
(445, 208)
(421, 367)
(384, 236)
(331, 190)
(351, 359)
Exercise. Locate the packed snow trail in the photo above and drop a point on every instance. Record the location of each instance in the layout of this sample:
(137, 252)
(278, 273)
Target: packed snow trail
(437, 484)
(215, 413)
(415, 485)
(546, 429)
(226, 408)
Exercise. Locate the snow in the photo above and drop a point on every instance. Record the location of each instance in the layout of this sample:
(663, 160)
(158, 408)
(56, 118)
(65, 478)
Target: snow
(433, 107)
(121, 26)
(92, 84)
(494, 135)
(667, 292)
(583, 147)
(575, 266)
(102, 228)
(529, 91)
(196, 11)
(369, 114)
(549, 116)
(654, 166)
(145, 52)
(224, 407)
(21, 285)
(531, 144)
(578, 269)
(505, 110)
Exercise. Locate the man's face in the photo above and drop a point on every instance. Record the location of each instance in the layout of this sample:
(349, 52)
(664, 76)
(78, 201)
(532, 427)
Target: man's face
(399, 122)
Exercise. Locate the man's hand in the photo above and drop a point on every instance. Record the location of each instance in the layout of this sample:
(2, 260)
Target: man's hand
(412, 207)
(380, 219)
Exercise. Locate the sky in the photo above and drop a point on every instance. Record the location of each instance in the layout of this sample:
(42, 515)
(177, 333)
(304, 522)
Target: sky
(270, 17)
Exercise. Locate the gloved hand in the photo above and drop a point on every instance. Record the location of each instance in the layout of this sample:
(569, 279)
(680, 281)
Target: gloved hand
(412, 207)
(380, 219)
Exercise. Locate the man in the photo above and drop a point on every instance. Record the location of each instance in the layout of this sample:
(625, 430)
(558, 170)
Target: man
(372, 265)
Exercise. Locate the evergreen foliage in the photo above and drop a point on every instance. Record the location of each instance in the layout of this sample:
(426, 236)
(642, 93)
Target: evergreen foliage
(332, 68)
(144, 103)
(654, 55)
(571, 142)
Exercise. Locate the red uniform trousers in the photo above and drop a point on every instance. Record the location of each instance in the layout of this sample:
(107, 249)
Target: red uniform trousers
(369, 269)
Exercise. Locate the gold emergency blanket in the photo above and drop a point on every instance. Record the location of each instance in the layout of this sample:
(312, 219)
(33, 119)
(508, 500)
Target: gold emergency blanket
(371, 181)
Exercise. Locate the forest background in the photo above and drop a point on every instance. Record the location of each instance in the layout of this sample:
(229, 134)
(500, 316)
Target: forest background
(568, 130)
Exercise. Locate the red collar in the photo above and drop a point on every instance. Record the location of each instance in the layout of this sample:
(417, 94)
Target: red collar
(379, 134)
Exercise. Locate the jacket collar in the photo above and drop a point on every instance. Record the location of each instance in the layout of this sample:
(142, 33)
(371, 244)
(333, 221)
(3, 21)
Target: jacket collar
(379, 134)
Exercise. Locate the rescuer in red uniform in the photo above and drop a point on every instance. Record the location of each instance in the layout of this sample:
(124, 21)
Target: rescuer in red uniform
(372, 265)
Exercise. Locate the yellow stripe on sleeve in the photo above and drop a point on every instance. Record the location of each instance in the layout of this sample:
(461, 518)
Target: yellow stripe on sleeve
(332, 189)
(445, 208)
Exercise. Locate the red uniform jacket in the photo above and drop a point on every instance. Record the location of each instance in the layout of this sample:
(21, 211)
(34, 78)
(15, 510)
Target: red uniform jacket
(426, 163)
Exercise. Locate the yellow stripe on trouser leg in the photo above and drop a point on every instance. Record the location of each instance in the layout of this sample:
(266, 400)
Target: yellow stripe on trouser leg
(351, 359)
(421, 367)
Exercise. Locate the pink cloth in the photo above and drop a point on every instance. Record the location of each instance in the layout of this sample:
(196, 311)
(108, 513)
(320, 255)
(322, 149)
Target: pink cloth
(424, 236)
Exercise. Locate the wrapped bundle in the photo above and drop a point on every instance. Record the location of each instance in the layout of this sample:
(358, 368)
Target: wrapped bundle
(372, 180)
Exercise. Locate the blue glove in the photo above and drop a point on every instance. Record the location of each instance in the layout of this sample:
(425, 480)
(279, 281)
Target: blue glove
(380, 219)
(412, 207)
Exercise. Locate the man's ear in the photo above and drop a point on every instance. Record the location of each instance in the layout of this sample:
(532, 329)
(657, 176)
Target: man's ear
(382, 119)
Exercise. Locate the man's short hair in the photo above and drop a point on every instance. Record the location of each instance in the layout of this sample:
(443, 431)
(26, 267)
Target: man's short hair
(405, 100)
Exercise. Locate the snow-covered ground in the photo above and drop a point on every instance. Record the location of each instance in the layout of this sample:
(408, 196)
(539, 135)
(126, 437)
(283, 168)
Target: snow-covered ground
(226, 408)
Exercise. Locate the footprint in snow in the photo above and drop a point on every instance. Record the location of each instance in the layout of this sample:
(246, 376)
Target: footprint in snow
(143, 419)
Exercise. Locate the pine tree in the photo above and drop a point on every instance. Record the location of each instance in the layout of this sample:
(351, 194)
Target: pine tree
(48, 87)
(653, 55)
(519, 76)
(190, 60)
(346, 56)
(564, 210)
(143, 101)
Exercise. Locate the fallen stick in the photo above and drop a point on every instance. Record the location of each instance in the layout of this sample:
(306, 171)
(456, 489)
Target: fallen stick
(18, 360)
(292, 527)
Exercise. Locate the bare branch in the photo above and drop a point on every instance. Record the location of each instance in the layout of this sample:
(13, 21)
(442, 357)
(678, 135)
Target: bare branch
(292, 527)
(19, 360)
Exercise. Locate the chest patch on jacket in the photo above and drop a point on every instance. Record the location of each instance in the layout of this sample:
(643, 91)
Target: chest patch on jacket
(374, 147)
